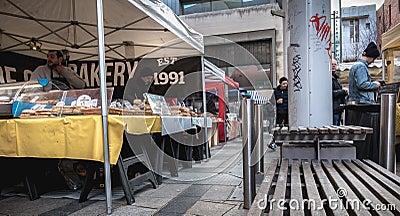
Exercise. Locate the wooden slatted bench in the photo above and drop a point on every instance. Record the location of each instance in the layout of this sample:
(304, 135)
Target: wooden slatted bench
(343, 187)
(300, 133)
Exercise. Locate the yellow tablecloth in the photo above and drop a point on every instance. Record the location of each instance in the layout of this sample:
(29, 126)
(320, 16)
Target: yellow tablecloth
(142, 124)
(74, 137)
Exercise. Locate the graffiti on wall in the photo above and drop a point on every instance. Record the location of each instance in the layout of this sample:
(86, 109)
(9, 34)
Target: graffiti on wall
(296, 68)
(323, 31)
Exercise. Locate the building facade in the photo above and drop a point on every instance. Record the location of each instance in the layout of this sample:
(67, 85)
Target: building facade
(388, 16)
(249, 24)
(358, 29)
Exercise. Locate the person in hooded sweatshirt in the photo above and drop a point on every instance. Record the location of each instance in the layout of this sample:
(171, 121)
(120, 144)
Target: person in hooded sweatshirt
(281, 97)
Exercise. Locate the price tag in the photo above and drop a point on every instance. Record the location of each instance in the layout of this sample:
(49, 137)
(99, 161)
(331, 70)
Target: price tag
(84, 100)
(94, 103)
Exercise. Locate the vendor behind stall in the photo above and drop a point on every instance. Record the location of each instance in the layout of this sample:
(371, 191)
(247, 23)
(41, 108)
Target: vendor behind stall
(60, 76)
(139, 83)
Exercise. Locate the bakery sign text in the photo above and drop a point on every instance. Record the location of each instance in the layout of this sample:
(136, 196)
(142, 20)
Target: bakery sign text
(172, 77)
(166, 61)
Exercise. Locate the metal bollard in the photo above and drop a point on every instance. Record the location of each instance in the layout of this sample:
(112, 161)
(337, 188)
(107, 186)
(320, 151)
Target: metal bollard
(258, 155)
(249, 174)
(387, 156)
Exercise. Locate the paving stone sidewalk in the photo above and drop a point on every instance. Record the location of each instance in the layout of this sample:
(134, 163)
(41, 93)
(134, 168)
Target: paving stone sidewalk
(212, 187)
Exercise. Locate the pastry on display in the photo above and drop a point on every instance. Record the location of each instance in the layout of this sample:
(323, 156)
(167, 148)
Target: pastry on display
(66, 110)
(91, 111)
(41, 113)
(137, 102)
(115, 111)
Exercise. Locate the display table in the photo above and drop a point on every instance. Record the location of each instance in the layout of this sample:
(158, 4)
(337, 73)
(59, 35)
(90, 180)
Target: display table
(73, 137)
(234, 129)
(81, 137)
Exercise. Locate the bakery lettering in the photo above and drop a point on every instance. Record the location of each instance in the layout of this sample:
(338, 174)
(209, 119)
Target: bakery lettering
(117, 73)
(166, 61)
(7, 71)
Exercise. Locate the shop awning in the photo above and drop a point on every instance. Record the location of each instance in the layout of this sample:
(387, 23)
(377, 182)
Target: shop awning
(132, 28)
(391, 39)
(258, 99)
(215, 74)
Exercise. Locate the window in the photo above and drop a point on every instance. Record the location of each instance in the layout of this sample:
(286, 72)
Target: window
(368, 26)
(190, 7)
(354, 31)
(200, 6)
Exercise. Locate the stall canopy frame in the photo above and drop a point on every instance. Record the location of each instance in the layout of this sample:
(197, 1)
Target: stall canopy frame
(95, 30)
(391, 39)
(390, 44)
(132, 28)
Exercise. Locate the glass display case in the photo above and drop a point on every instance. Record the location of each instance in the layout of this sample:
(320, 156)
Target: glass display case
(60, 102)
(28, 100)
(11, 92)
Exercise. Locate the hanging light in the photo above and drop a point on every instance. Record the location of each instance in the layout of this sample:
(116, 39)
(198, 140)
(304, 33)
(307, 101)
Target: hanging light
(35, 44)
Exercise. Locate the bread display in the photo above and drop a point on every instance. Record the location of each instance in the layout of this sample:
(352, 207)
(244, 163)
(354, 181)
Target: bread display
(91, 111)
(42, 113)
(67, 109)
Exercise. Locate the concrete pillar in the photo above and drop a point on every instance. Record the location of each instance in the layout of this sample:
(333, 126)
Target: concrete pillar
(309, 67)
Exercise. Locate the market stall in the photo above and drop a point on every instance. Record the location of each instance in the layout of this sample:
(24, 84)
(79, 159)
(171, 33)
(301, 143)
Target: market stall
(31, 28)
(391, 55)
(391, 69)
(220, 84)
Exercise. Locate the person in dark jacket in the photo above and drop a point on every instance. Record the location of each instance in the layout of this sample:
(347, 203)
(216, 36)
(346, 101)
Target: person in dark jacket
(281, 97)
(338, 94)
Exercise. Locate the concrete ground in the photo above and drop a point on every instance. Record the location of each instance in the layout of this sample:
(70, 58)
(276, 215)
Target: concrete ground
(212, 187)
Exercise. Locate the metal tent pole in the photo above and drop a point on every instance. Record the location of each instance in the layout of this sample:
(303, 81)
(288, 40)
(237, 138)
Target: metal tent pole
(258, 157)
(104, 107)
(203, 80)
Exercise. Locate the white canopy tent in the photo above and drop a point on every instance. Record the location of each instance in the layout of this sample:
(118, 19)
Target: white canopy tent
(124, 29)
(391, 51)
(391, 39)
(132, 28)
